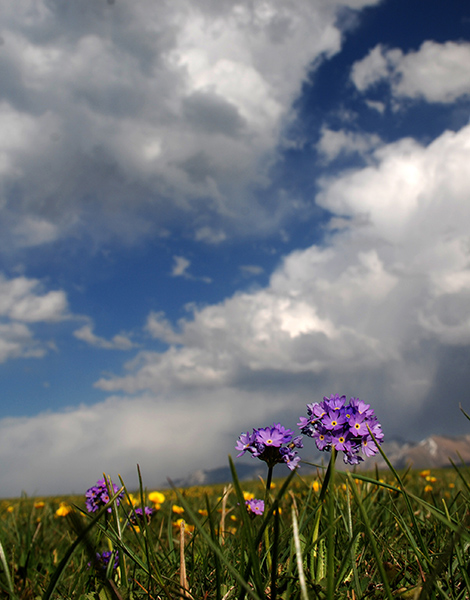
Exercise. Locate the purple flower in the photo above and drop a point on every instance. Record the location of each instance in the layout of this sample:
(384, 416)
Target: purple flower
(137, 517)
(273, 445)
(271, 436)
(334, 420)
(245, 443)
(255, 507)
(346, 427)
(358, 424)
(322, 438)
(98, 496)
(102, 560)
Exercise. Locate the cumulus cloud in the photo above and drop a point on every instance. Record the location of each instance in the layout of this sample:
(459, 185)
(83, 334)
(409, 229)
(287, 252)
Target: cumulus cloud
(380, 311)
(435, 72)
(23, 303)
(372, 306)
(122, 119)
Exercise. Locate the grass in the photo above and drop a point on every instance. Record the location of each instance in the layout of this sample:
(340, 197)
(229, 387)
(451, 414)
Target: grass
(381, 535)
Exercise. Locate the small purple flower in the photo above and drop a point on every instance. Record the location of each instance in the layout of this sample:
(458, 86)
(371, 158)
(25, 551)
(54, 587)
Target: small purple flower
(322, 438)
(98, 496)
(255, 507)
(342, 442)
(139, 515)
(358, 424)
(349, 428)
(245, 443)
(273, 445)
(271, 436)
(102, 560)
(334, 420)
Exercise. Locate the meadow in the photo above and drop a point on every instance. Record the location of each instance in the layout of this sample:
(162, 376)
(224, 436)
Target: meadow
(331, 534)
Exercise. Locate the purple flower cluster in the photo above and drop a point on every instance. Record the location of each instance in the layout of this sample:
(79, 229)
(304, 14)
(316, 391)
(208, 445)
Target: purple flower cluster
(272, 444)
(139, 514)
(255, 507)
(346, 427)
(98, 496)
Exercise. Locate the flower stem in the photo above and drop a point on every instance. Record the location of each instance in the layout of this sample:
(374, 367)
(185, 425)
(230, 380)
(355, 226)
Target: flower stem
(268, 482)
(330, 575)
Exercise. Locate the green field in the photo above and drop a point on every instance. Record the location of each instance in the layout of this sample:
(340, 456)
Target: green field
(333, 535)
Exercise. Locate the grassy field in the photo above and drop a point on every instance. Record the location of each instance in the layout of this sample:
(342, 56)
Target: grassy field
(333, 535)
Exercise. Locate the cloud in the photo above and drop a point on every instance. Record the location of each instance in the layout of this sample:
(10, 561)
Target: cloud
(380, 312)
(24, 303)
(16, 341)
(118, 342)
(250, 270)
(180, 266)
(180, 269)
(375, 306)
(67, 452)
(436, 72)
(21, 300)
(334, 143)
(120, 121)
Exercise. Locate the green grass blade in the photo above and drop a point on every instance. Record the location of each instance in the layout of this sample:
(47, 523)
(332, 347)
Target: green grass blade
(371, 537)
(6, 570)
(298, 552)
(214, 545)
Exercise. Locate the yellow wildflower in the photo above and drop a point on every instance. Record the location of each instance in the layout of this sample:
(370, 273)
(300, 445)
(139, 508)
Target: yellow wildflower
(39, 504)
(425, 473)
(316, 485)
(10, 509)
(187, 528)
(179, 510)
(156, 497)
(428, 488)
(63, 510)
(248, 495)
(431, 479)
(451, 485)
(203, 512)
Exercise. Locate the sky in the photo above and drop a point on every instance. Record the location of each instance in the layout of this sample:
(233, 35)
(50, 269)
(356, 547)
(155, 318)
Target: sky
(213, 212)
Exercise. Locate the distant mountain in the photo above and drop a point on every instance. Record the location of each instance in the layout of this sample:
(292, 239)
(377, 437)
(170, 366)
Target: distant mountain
(432, 452)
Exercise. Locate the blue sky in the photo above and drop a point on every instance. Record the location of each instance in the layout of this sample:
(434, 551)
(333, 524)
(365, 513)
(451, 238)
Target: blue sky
(213, 213)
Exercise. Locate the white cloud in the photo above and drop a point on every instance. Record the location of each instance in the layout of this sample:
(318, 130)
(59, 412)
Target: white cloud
(377, 312)
(118, 342)
(21, 300)
(146, 110)
(16, 341)
(180, 267)
(67, 452)
(251, 269)
(371, 69)
(436, 72)
(22, 304)
(334, 143)
(362, 308)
